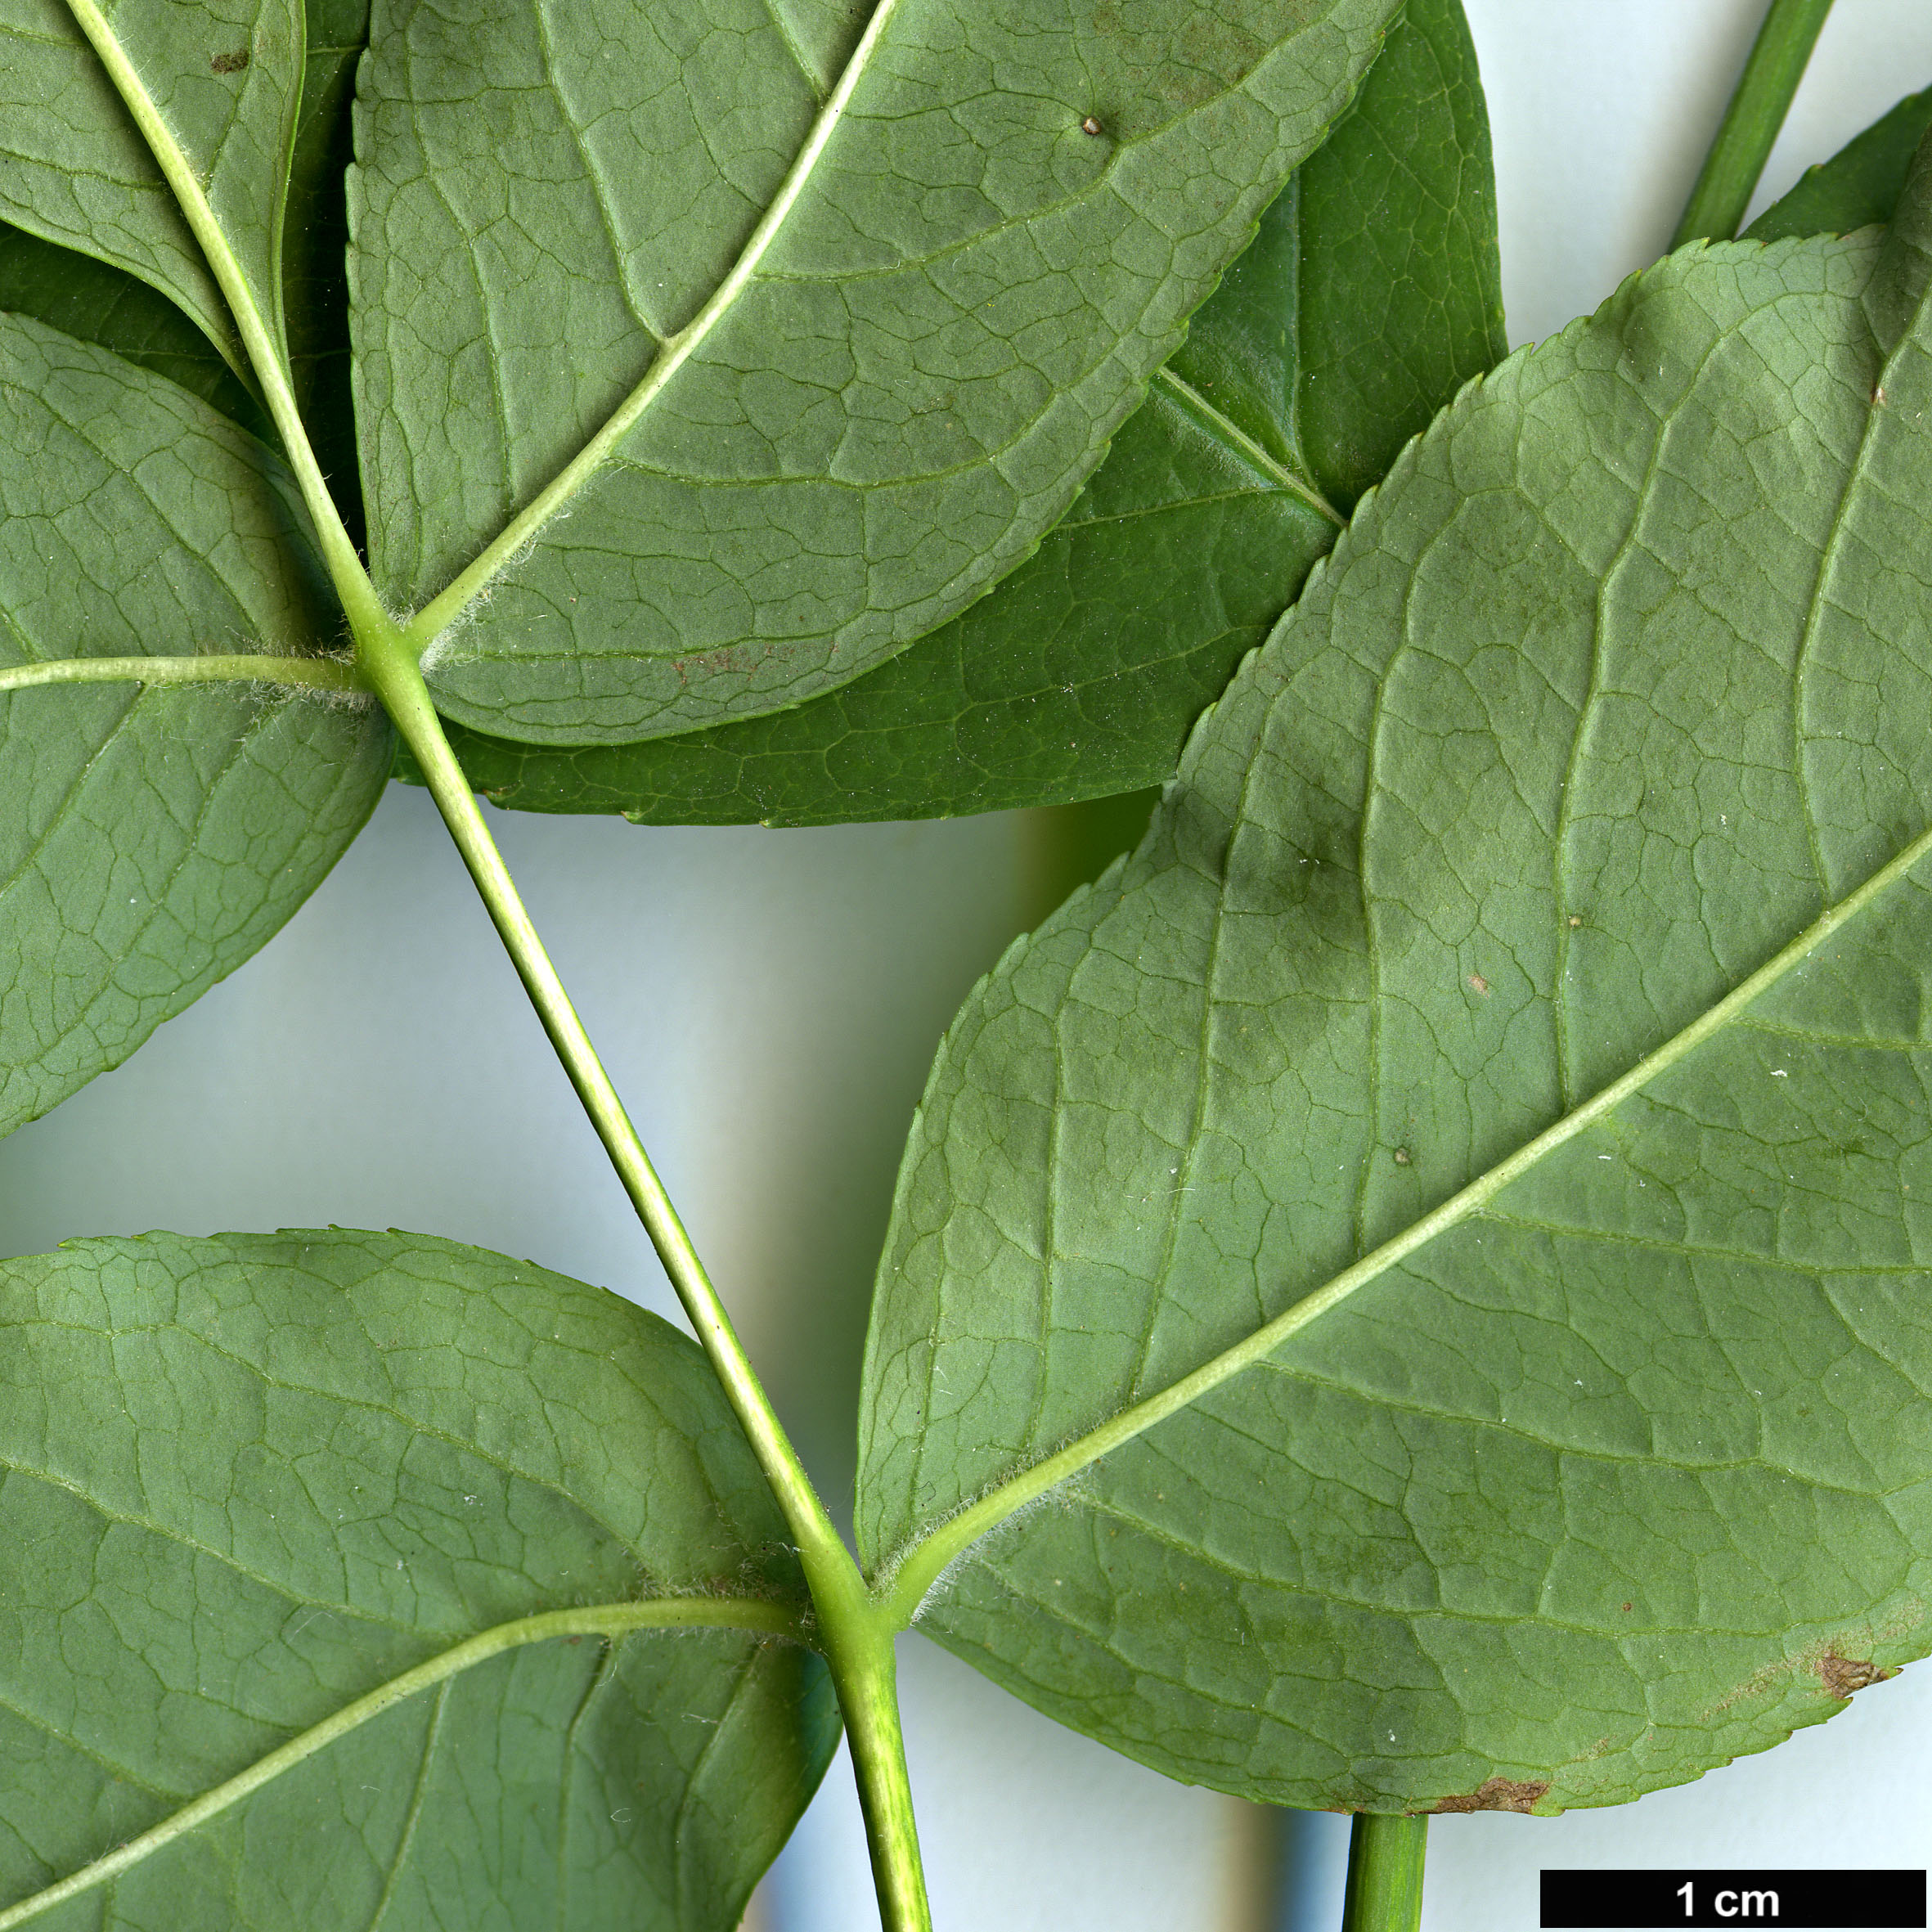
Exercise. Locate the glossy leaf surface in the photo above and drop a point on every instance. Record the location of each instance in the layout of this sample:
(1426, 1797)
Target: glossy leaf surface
(251, 1480)
(1528, 965)
(1858, 185)
(758, 345)
(1079, 676)
(315, 276)
(225, 78)
(151, 838)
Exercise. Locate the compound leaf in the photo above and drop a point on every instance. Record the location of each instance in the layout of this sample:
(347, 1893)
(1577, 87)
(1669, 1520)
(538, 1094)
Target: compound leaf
(1370, 295)
(1858, 185)
(756, 346)
(1444, 1223)
(253, 1483)
(151, 838)
(224, 77)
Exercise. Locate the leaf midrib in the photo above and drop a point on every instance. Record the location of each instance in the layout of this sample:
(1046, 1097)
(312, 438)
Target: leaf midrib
(673, 352)
(906, 1578)
(1237, 442)
(612, 1621)
(905, 1582)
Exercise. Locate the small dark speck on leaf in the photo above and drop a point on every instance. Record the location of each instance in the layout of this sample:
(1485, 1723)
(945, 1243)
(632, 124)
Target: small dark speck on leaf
(1843, 1675)
(1090, 125)
(229, 63)
(1497, 1794)
(1626, 1607)
(1401, 1157)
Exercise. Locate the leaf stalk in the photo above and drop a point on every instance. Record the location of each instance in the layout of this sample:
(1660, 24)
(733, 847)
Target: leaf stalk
(1384, 1873)
(857, 1637)
(854, 1633)
(388, 664)
(311, 674)
(1772, 73)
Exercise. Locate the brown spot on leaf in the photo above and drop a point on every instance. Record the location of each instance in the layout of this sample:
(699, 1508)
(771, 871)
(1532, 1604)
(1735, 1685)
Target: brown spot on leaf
(1497, 1794)
(1090, 125)
(229, 63)
(1843, 1675)
(1477, 982)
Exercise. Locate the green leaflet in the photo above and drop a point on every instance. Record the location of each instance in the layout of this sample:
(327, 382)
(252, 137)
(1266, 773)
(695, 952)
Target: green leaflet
(315, 280)
(1400, 297)
(151, 839)
(1335, 338)
(1858, 185)
(224, 74)
(1608, 1461)
(756, 346)
(94, 302)
(248, 1480)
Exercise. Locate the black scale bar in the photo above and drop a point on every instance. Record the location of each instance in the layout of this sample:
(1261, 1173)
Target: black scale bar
(1846, 1901)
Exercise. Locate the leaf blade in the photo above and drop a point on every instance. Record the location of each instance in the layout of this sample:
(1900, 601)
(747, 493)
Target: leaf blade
(152, 838)
(315, 273)
(224, 76)
(1858, 185)
(909, 498)
(313, 1408)
(92, 301)
(1078, 675)
(1400, 1562)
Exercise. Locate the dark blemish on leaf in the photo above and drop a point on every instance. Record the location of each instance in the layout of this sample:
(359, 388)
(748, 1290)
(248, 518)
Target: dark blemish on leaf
(229, 63)
(1843, 1675)
(1626, 1607)
(1497, 1794)
(1090, 125)
(1401, 1157)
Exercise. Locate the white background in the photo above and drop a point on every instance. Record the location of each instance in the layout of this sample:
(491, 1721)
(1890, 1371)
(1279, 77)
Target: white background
(768, 1003)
